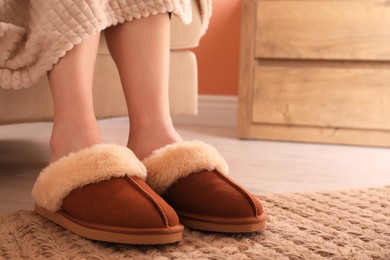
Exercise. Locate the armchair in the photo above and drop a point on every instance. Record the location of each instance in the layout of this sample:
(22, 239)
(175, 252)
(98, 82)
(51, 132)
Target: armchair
(35, 104)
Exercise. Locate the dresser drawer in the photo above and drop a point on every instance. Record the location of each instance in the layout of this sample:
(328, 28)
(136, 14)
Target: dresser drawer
(315, 71)
(339, 96)
(330, 29)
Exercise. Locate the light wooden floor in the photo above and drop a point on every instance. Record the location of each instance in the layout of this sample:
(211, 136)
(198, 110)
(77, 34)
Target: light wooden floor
(262, 167)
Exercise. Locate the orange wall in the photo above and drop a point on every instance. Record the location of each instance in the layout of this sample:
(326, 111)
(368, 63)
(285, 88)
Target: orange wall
(218, 53)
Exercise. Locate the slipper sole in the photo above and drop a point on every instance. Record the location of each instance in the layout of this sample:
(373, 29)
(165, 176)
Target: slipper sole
(224, 227)
(125, 236)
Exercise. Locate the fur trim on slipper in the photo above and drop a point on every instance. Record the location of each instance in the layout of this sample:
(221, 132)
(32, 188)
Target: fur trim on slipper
(90, 165)
(175, 161)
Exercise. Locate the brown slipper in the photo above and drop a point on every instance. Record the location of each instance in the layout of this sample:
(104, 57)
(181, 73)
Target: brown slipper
(99, 193)
(192, 178)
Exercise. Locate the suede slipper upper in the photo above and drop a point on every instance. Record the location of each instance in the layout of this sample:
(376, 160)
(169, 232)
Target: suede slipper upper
(100, 193)
(192, 178)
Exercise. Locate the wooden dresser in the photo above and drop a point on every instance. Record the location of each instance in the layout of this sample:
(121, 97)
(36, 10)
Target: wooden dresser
(315, 71)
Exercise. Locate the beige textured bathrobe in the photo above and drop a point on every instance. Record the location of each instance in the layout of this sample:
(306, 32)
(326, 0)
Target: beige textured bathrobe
(35, 34)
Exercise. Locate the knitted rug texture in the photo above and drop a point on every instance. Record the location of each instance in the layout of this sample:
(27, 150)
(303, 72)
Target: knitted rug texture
(353, 224)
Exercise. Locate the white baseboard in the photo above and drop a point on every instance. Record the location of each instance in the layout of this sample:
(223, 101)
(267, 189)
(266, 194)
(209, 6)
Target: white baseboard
(216, 111)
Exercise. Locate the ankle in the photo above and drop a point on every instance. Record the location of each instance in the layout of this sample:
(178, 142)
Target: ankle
(68, 139)
(145, 140)
(63, 147)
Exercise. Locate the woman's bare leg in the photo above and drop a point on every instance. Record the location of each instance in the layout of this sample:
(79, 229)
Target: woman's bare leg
(141, 52)
(75, 126)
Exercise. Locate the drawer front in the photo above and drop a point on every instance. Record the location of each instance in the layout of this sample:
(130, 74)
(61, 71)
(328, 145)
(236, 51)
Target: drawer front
(330, 29)
(336, 97)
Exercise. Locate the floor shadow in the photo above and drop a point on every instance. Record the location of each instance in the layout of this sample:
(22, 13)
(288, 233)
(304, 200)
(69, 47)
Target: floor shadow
(228, 133)
(18, 156)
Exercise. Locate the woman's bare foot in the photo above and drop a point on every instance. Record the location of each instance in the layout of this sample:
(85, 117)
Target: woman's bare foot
(72, 137)
(145, 139)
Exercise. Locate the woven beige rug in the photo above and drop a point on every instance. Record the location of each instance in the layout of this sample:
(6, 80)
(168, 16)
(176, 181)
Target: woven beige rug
(334, 225)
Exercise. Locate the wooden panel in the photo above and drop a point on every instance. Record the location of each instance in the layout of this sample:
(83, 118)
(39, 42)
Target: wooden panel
(340, 96)
(247, 66)
(320, 135)
(331, 29)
